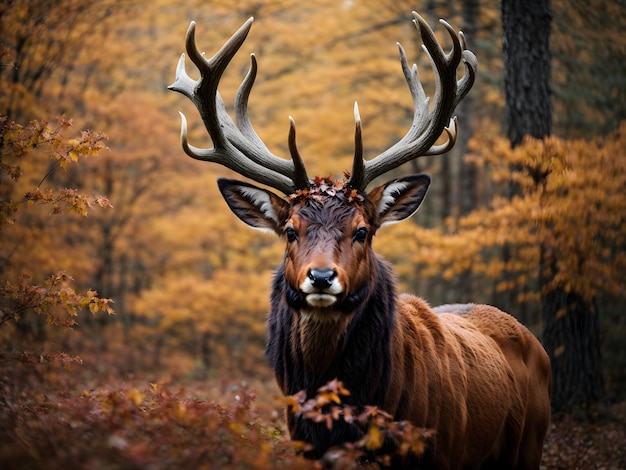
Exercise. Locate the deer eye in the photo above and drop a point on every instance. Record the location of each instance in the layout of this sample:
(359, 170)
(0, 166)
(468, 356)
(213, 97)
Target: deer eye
(291, 233)
(360, 235)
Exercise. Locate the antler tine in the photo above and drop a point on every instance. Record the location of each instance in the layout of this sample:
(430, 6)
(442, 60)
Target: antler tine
(427, 124)
(241, 103)
(300, 177)
(237, 147)
(357, 167)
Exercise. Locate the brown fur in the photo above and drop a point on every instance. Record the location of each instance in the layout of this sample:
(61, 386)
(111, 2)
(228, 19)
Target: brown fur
(448, 368)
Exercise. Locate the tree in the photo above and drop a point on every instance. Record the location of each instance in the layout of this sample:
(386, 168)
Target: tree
(467, 193)
(34, 59)
(571, 327)
(107, 64)
(526, 51)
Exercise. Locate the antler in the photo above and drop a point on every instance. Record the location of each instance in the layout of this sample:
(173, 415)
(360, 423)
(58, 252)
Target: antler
(427, 124)
(237, 147)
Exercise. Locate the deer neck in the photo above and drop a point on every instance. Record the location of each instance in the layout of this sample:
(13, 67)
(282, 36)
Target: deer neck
(308, 348)
(319, 337)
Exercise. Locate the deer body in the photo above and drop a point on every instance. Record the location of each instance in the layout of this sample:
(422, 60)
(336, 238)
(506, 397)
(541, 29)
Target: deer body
(470, 372)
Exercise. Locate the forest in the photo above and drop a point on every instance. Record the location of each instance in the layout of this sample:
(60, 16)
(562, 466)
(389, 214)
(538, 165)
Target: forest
(133, 304)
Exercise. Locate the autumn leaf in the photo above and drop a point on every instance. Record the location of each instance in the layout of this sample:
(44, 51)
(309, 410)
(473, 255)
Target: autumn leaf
(373, 439)
(135, 396)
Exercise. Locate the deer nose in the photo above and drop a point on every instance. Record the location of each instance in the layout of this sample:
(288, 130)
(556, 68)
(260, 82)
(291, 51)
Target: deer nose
(322, 278)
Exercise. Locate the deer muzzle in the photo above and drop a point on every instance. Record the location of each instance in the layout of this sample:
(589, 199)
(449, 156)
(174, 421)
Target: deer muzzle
(321, 287)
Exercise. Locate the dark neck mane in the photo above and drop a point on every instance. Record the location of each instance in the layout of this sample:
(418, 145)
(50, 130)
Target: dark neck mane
(307, 349)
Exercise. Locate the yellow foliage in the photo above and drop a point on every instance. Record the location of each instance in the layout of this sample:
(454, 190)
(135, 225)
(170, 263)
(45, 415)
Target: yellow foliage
(572, 202)
(374, 438)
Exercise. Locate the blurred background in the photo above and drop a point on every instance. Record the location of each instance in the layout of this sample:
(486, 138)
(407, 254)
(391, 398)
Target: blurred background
(188, 282)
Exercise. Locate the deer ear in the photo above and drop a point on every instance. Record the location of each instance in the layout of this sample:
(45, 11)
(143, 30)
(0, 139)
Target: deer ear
(398, 199)
(256, 207)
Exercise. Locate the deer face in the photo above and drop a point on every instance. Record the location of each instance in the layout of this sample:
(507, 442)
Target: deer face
(328, 250)
(328, 233)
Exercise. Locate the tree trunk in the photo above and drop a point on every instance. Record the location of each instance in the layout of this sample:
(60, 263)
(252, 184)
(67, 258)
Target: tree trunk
(525, 45)
(528, 107)
(571, 336)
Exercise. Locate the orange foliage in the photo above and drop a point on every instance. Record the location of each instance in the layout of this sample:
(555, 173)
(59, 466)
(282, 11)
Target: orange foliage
(55, 299)
(144, 427)
(572, 200)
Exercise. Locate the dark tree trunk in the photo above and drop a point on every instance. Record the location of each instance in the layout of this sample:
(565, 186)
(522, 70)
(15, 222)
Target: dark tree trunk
(571, 332)
(571, 336)
(526, 29)
(528, 107)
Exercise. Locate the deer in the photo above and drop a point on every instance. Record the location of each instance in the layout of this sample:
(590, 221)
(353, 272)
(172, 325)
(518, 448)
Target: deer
(470, 372)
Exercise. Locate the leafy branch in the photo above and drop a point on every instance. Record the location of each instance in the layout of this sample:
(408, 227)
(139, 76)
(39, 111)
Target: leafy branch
(18, 142)
(56, 298)
(378, 425)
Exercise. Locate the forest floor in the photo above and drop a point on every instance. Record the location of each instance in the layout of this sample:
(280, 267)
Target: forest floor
(597, 443)
(63, 414)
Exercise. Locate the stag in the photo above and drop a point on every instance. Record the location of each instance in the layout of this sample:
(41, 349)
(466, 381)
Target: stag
(472, 373)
